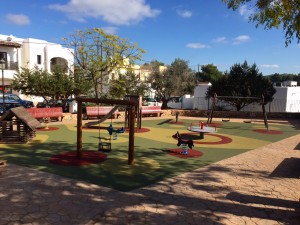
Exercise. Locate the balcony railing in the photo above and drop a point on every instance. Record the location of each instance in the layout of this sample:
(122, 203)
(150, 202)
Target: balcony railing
(11, 65)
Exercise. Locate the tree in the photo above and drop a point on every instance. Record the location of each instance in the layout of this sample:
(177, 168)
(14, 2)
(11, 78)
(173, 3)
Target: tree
(245, 83)
(127, 84)
(97, 54)
(183, 77)
(153, 63)
(274, 13)
(209, 73)
(39, 82)
(178, 79)
(278, 78)
(32, 82)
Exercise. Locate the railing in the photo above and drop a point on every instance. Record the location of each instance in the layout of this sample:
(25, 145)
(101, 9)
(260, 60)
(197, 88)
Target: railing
(11, 65)
(277, 105)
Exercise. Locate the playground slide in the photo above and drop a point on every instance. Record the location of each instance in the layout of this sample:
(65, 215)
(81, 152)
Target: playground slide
(108, 115)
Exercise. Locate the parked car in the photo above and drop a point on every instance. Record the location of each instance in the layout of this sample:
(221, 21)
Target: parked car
(68, 105)
(12, 101)
(150, 102)
(8, 106)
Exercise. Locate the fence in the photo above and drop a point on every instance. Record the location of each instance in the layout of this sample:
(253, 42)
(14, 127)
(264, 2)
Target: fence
(277, 105)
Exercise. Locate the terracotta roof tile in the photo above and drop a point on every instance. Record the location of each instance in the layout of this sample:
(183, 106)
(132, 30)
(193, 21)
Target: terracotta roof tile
(9, 43)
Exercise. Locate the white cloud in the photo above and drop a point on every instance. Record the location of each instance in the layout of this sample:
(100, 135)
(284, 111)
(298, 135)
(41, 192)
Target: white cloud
(196, 45)
(18, 19)
(269, 66)
(245, 12)
(220, 40)
(241, 39)
(116, 12)
(110, 30)
(184, 13)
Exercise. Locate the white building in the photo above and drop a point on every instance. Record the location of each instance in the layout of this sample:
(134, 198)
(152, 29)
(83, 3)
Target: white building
(199, 96)
(286, 98)
(182, 102)
(28, 53)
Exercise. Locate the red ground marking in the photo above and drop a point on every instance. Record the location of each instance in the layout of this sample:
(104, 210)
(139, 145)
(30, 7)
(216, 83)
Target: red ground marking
(191, 153)
(205, 124)
(268, 131)
(49, 129)
(142, 130)
(193, 136)
(70, 158)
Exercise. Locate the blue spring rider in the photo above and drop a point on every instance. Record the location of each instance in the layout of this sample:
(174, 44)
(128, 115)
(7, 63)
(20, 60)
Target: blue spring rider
(115, 132)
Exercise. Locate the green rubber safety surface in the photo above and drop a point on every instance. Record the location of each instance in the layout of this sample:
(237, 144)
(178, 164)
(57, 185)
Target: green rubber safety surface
(153, 161)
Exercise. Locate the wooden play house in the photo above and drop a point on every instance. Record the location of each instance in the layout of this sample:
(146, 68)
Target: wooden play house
(17, 126)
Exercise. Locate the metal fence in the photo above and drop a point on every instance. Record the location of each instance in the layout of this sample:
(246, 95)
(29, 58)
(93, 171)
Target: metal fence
(277, 105)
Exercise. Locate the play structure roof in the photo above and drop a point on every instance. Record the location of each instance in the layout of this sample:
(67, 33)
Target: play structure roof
(23, 115)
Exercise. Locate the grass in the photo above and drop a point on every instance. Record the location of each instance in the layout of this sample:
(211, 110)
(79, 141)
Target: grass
(152, 163)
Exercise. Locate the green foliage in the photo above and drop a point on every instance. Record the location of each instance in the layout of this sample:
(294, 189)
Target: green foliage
(275, 78)
(177, 79)
(154, 63)
(39, 82)
(242, 81)
(97, 54)
(127, 84)
(32, 82)
(273, 14)
(209, 73)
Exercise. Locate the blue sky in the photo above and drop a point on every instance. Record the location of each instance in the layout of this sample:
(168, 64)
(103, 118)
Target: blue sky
(198, 31)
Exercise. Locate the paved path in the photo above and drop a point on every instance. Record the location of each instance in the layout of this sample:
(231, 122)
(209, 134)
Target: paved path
(259, 187)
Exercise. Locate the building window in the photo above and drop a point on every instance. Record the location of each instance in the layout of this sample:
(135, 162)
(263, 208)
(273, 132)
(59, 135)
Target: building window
(39, 59)
(3, 55)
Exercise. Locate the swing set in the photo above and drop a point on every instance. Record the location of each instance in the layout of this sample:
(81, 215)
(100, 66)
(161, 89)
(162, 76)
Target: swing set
(214, 100)
(105, 145)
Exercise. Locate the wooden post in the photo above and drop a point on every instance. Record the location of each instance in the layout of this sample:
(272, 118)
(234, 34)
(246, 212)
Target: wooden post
(132, 112)
(264, 112)
(210, 116)
(79, 129)
(131, 115)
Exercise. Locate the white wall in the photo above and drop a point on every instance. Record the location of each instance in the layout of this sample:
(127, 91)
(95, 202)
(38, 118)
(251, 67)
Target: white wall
(27, 54)
(293, 99)
(199, 96)
(185, 102)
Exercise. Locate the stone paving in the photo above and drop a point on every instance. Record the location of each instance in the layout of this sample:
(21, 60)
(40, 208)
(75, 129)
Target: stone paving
(259, 187)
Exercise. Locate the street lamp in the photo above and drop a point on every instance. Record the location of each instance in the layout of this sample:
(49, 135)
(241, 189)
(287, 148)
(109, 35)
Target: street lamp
(2, 64)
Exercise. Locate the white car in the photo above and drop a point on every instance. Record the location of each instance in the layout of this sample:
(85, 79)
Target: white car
(150, 102)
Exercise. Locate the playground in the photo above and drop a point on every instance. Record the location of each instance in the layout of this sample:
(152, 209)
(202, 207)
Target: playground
(157, 155)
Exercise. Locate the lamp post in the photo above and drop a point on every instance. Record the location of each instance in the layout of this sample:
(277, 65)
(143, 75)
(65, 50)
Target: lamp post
(2, 63)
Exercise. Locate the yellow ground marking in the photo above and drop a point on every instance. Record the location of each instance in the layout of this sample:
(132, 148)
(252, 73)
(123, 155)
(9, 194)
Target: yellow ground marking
(39, 138)
(120, 166)
(122, 137)
(165, 135)
(237, 141)
(264, 128)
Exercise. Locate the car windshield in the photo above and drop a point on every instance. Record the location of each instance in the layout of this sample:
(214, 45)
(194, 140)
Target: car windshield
(10, 97)
(149, 99)
(13, 97)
